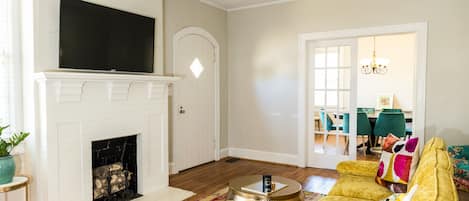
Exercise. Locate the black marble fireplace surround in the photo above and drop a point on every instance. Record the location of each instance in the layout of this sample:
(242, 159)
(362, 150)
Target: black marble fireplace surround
(115, 169)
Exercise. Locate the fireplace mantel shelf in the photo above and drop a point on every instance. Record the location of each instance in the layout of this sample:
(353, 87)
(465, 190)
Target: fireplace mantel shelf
(69, 85)
(88, 76)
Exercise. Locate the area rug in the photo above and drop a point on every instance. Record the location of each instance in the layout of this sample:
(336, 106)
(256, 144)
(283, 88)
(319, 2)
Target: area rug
(221, 196)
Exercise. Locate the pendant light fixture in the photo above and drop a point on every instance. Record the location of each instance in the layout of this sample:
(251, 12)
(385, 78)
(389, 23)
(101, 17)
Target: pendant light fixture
(374, 65)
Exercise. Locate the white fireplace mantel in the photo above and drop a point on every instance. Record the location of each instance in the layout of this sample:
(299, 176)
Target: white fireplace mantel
(89, 76)
(78, 108)
(69, 85)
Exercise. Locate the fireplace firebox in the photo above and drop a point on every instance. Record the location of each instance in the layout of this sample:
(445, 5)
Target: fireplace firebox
(114, 163)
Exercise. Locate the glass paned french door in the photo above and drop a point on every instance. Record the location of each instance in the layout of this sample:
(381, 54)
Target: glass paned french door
(332, 95)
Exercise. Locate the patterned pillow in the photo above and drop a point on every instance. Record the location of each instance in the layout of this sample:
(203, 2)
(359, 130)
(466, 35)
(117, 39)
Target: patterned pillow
(398, 163)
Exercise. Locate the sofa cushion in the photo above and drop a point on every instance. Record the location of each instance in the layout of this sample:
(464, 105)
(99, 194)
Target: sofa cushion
(354, 186)
(431, 160)
(398, 163)
(359, 168)
(432, 144)
(341, 198)
(436, 185)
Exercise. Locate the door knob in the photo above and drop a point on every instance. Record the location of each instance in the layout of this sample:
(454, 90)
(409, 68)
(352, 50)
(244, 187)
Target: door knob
(181, 110)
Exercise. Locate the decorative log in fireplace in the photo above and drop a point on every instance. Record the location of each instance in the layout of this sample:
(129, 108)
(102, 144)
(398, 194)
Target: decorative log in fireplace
(110, 179)
(115, 169)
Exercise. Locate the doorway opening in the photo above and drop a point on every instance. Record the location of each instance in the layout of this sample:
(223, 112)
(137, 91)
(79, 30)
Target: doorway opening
(331, 97)
(382, 92)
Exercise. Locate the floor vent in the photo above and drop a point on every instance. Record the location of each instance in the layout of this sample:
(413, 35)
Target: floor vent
(232, 160)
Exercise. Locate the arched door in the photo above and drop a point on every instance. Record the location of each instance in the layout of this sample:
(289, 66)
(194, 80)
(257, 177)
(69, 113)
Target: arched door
(195, 100)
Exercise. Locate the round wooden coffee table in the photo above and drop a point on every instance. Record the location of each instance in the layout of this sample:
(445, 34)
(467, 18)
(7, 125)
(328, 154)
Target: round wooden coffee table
(293, 191)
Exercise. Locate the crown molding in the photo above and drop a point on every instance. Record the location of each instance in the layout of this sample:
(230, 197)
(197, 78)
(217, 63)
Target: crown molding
(213, 4)
(216, 5)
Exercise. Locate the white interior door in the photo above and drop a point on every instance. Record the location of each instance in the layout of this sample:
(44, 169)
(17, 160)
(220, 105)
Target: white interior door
(194, 102)
(332, 102)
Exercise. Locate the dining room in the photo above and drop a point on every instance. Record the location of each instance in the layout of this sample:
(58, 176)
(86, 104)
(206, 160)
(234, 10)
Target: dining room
(384, 97)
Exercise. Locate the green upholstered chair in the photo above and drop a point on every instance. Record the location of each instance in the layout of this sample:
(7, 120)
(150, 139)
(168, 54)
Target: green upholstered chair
(363, 128)
(363, 124)
(326, 121)
(390, 122)
(346, 130)
(366, 110)
(346, 123)
(392, 110)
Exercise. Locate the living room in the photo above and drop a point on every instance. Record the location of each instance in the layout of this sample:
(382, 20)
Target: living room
(204, 94)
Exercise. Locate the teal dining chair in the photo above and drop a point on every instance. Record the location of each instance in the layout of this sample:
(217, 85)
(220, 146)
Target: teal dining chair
(392, 110)
(389, 122)
(363, 128)
(327, 123)
(346, 130)
(368, 110)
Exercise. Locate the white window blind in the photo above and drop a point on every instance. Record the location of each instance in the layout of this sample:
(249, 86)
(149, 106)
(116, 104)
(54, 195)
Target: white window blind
(10, 81)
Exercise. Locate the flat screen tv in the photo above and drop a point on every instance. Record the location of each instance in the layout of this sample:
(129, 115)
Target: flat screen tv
(94, 37)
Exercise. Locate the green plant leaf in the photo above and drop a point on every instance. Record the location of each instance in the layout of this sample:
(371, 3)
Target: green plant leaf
(4, 148)
(17, 138)
(6, 145)
(3, 128)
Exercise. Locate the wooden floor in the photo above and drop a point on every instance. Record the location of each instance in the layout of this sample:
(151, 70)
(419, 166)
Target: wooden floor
(209, 178)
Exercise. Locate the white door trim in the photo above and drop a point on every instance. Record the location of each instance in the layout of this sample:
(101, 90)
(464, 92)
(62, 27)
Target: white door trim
(420, 29)
(188, 31)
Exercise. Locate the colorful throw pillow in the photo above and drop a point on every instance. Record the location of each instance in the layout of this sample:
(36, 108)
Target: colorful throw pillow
(398, 162)
(460, 156)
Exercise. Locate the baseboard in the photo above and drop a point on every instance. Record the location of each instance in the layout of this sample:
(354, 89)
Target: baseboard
(224, 152)
(172, 168)
(266, 156)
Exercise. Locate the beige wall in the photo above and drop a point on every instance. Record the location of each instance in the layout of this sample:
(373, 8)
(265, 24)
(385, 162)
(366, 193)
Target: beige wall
(184, 13)
(399, 80)
(263, 56)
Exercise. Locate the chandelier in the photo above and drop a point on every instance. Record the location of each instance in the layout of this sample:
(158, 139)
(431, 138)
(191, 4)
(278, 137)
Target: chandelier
(374, 65)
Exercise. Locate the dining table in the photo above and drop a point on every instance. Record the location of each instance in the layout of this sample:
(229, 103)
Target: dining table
(372, 117)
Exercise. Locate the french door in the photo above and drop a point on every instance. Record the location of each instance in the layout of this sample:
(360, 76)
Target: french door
(332, 102)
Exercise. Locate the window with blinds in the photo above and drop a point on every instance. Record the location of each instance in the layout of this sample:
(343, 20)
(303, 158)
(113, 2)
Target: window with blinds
(8, 65)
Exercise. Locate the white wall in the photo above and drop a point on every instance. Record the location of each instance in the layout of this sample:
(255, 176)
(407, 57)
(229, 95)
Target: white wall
(263, 56)
(399, 80)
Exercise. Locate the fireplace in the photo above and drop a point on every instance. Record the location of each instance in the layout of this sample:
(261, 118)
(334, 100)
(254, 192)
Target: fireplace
(114, 163)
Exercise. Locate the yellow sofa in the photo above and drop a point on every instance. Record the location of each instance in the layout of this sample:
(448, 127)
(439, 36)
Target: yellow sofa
(433, 176)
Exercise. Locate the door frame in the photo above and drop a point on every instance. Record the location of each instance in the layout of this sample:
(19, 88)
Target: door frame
(420, 29)
(198, 31)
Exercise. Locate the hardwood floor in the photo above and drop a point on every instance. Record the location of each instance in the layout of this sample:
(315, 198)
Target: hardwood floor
(209, 178)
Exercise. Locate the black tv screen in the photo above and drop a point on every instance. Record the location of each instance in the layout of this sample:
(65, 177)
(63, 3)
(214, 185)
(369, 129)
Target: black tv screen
(94, 37)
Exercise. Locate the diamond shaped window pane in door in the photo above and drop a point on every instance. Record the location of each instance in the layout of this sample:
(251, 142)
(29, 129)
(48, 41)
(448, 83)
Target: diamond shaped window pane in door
(197, 68)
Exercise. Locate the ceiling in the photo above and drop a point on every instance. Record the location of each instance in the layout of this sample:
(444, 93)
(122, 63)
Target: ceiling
(231, 5)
